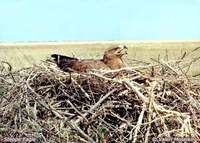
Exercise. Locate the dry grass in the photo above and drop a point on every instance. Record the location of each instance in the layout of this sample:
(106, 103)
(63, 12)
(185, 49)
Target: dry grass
(26, 55)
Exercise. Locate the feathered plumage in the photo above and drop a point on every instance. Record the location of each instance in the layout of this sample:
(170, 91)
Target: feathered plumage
(112, 59)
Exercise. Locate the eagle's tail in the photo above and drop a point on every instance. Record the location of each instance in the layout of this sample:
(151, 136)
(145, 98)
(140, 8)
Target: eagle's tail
(63, 62)
(57, 58)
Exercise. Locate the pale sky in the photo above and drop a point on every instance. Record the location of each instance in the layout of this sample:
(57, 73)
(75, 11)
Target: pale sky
(63, 20)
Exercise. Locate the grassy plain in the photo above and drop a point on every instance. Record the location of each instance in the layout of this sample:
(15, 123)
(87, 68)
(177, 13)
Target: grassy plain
(24, 55)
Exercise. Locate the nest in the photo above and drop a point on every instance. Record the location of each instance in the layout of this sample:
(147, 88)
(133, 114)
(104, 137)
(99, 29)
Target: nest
(135, 104)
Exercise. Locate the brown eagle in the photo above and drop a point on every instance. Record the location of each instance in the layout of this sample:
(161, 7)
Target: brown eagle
(112, 59)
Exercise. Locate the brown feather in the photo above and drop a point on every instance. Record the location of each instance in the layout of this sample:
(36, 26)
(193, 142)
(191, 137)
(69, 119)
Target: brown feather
(112, 59)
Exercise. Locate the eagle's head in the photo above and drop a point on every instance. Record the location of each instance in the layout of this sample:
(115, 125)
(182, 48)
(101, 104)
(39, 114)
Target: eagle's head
(113, 57)
(116, 52)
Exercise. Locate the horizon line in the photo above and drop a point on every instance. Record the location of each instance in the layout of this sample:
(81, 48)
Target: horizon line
(92, 42)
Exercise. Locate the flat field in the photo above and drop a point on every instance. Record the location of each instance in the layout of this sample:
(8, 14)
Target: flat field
(26, 54)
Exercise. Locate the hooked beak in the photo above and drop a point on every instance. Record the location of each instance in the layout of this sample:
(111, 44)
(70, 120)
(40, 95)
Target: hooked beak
(125, 47)
(123, 51)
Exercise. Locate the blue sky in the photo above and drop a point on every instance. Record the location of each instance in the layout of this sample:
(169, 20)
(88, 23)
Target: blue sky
(62, 20)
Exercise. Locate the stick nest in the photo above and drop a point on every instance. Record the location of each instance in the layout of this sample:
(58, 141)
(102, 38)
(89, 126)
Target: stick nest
(135, 104)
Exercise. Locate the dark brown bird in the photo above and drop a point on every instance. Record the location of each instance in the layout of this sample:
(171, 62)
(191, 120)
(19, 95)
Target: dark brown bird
(112, 59)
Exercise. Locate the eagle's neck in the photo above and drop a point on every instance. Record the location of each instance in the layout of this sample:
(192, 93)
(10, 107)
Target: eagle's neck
(114, 63)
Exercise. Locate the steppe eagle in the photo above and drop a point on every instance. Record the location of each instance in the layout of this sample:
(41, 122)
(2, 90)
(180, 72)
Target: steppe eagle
(112, 59)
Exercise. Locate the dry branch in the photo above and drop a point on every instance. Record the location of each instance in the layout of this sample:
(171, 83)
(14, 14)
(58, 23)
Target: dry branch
(133, 104)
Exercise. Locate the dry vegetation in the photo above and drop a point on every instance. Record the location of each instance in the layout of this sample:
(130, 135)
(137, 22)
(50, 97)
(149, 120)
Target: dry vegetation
(25, 55)
(151, 99)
